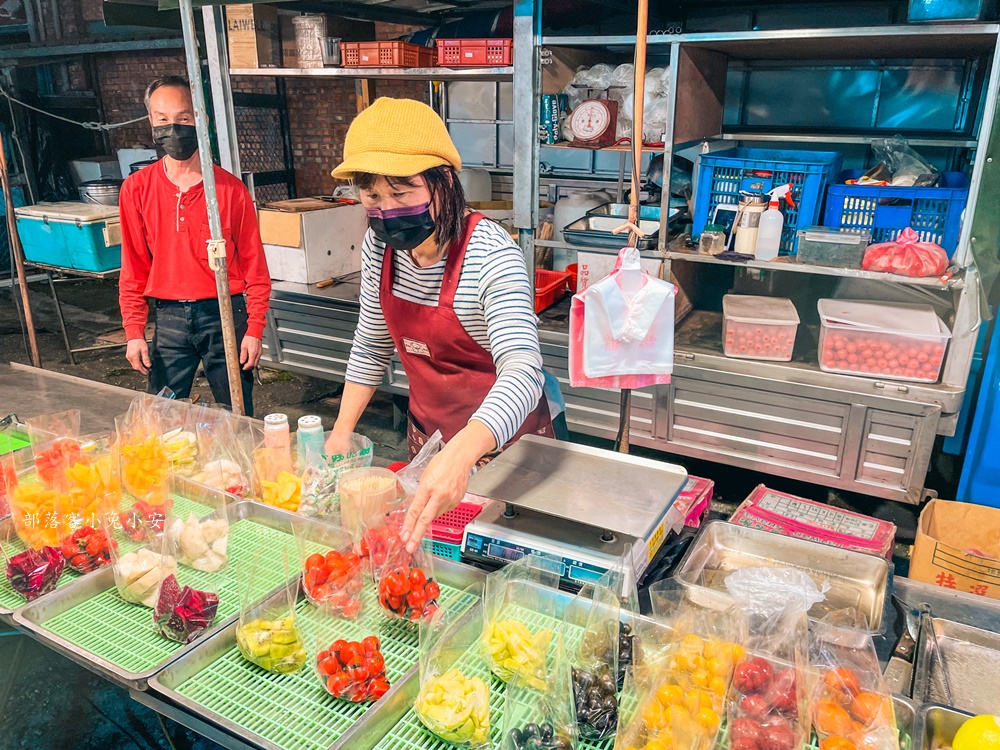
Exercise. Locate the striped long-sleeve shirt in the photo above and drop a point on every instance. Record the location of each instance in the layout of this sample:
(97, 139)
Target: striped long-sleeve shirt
(493, 304)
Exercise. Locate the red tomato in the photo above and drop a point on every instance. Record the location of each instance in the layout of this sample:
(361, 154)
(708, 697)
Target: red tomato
(351, 652)
(378, 687)
(371, 645)
(417, 579)
(754, 706)
(337, 684)
(744, 728)
(328, 666)
(358, 671)
(333, 558)
(376, 663)
(314, 561)
(417, 600)
(338, 646)
(432, 591)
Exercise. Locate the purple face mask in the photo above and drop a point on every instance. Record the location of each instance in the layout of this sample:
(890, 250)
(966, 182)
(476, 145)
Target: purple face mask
(402, 228)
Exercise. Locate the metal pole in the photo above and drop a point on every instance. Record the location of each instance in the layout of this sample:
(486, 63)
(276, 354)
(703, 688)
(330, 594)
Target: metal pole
(216, 245)
(17, 253)
(213, 20)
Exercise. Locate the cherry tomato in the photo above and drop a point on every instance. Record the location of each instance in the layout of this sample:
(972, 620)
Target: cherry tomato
(333, 558)
(314, 561)
(329, 666)
(337, 684)
(371, 644)
(337, 647)
(842, 683)
(351, 652)
(378, 687)
(376, 663)
(417, 579)
(753, 676)
(432, 591)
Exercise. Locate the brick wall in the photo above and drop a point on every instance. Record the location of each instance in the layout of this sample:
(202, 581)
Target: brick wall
(123, 80)
(319, 112)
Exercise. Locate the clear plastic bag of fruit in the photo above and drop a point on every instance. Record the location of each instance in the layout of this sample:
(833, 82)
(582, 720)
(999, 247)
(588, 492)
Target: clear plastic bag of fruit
(332, 574)
(30, 572)
(404, 583)
(8, 482)
(145, 465)
(519, 614)
(180, 437)
(182, 612)
(768, 703)
(349, 660)
(851, 707)
(55, 446)
(539, 711)
(454, 697)
(224, 456)
(92, 491)
(138, 570)
(200, 539)
(409, 477)
(372, 510)
(268, 633)
(681, 690)
(321, 473)
(595, 655)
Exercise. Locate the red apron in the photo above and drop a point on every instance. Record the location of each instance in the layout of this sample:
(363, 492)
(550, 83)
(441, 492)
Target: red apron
(449, 373)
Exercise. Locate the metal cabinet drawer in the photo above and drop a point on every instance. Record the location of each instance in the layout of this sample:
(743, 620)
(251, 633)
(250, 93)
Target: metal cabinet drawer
(894, 447)
(774, 428)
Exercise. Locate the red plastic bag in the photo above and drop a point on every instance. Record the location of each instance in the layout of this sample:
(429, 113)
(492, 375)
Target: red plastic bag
(906, 256)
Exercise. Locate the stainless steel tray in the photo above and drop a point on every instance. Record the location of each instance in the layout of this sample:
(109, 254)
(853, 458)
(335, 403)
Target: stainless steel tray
(34, 617)
(936, 727)
(620, 210)
(906, 718)
(855, 579)
(364, 733)
(970, 661)
(595, 230)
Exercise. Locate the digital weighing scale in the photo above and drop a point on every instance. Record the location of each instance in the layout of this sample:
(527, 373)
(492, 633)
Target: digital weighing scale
(577, 505)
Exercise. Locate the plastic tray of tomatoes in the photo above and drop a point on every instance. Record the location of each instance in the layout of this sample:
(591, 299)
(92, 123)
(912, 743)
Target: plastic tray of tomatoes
(886, 354)
(759, 327)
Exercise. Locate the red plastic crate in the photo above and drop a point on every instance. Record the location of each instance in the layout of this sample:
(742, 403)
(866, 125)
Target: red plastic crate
(385, 55)
(456, 53)
(550, 286)
(449, 527)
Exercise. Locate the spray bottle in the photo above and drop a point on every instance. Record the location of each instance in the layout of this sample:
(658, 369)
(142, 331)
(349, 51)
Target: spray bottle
(772, 221)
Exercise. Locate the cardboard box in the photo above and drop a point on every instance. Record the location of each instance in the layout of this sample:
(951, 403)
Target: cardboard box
(253, 36)
(790, 515)
(307, 240)
(958, 547)
(303, 48)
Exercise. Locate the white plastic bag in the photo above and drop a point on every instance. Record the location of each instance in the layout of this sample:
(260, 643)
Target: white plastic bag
(628, 323)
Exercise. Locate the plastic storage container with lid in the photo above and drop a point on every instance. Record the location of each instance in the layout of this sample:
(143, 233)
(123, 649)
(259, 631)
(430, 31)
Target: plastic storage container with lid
(68, 234)
(759, 327)
(881, 339)
(829, 246)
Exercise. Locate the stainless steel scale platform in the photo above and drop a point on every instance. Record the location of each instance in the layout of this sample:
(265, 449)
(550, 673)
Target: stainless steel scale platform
(581, 506)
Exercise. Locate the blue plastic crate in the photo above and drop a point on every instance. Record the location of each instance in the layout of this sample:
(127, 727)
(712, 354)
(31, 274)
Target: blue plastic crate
(723, 174)
(70, 234)
(935, 213)
(442, 549)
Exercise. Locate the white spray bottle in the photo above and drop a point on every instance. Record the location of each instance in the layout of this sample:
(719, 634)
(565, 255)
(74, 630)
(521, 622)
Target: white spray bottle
(772, 221)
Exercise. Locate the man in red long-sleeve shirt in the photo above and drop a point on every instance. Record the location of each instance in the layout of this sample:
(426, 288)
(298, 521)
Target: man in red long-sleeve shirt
(165, 231)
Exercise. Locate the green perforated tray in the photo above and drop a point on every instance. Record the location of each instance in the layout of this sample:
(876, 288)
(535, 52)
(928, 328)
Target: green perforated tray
(294, 711)
(122, 633)
(410, 734)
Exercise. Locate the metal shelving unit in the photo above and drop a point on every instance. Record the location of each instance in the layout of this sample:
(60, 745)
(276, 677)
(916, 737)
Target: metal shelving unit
(791, 419)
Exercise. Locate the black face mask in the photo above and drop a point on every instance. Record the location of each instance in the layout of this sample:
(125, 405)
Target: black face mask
(179, 141)
(402, 228)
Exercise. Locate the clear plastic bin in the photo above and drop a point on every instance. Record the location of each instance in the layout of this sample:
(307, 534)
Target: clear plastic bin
(829, 246)
(882, 339)
(759, 327)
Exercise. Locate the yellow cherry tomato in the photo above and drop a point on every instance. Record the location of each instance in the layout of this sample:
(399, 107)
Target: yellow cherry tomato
(669, 695)
(654, 716)
(701, 677)
(708, 719)
(717, 686)
(697, 699)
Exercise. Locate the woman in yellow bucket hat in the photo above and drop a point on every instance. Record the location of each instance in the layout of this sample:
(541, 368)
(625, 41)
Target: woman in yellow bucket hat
(448, 290)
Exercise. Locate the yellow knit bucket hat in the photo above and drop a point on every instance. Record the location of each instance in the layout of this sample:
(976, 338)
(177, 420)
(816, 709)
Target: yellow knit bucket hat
(396, 138)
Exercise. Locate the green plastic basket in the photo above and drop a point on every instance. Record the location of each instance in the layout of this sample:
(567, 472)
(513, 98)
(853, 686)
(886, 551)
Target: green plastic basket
(122, 633)
(294, 711)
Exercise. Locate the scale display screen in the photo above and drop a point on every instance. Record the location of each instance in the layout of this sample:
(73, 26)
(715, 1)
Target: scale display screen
(503, 553)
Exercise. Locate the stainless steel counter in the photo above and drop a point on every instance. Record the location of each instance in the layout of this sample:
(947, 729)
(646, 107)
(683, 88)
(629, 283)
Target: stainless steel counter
(30, 391)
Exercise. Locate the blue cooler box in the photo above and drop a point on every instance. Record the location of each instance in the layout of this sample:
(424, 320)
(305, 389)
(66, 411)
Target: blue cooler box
(68, 234)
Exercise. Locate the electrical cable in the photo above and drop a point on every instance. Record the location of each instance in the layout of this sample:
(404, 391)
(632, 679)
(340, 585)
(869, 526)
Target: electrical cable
(85, 125)
(166, 734)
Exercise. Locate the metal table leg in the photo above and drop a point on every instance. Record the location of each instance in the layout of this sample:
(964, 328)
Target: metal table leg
(59, 314)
